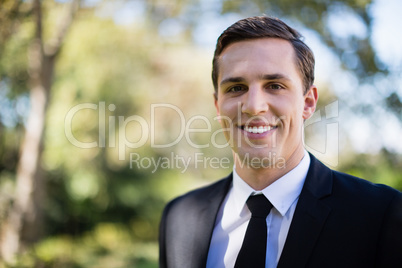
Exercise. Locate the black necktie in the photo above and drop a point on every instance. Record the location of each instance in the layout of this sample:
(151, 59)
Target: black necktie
(254, 248)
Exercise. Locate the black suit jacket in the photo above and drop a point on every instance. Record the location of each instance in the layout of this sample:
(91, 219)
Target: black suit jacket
(340, 221)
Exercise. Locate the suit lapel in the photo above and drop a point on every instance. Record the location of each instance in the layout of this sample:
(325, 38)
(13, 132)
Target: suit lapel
(309, 216)
(206, 222)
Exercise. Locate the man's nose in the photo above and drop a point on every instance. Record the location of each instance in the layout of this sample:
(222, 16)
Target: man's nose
(254, 101)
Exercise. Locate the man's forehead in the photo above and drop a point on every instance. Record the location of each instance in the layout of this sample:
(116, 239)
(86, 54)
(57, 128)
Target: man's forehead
(251, 45)
(261, 54)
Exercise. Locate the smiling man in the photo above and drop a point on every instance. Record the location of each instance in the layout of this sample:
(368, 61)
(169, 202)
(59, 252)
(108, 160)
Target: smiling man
(280, 207)
(261, 92)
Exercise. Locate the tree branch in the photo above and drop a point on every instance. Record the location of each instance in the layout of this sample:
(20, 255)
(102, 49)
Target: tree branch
(54, 45)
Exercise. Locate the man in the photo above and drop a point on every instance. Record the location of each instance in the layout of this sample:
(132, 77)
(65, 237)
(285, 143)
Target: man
(312, 216)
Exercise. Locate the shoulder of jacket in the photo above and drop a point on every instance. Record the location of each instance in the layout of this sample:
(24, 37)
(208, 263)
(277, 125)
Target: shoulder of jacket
(361, 187)
(201, 192)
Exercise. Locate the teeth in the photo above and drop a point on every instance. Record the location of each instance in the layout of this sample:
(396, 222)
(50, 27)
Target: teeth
(259, 130)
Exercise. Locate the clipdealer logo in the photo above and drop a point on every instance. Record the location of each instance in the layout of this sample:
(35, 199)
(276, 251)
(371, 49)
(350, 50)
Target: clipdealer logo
(148, 133)
(325, 141)
(114, 135)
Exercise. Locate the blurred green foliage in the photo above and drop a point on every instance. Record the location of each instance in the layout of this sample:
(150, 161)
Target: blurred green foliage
(100, 209)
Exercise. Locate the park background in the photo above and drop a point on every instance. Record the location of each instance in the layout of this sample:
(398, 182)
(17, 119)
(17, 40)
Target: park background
(82, 81)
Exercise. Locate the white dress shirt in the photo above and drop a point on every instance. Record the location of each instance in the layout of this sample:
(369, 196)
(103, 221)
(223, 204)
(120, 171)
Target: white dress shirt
(233, 217)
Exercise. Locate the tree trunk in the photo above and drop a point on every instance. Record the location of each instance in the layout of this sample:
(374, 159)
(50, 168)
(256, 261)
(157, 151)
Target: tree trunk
(24, 224)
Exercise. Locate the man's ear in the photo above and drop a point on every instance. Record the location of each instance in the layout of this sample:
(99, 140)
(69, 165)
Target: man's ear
(310, 102)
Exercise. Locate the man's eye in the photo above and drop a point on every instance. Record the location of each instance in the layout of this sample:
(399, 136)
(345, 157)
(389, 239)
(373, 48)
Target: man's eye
(275, 86)
(236, 89)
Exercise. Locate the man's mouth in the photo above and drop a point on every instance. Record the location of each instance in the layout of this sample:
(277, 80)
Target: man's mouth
(258, 129)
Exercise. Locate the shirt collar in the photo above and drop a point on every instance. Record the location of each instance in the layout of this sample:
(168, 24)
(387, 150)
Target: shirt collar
(282, 193)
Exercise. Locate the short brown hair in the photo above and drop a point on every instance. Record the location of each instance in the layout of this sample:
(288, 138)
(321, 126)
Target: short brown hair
(261, 27)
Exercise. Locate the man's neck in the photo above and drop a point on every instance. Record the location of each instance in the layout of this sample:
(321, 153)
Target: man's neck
(261, 177)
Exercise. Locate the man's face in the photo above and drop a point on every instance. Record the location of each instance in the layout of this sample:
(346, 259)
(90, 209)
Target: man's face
(260, 99)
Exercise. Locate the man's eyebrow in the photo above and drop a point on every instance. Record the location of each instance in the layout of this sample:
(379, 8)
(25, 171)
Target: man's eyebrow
(232, 80)
(277, 76)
